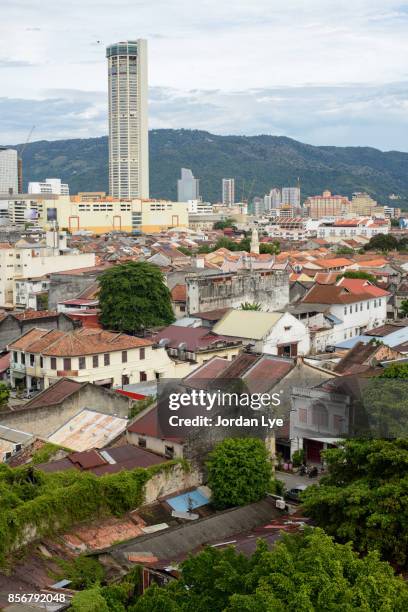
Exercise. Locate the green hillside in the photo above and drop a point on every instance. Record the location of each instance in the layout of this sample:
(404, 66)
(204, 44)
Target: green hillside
(261, 161)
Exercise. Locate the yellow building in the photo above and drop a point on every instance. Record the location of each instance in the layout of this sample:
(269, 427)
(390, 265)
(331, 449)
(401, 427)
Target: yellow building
(362, 204)
(98, 214)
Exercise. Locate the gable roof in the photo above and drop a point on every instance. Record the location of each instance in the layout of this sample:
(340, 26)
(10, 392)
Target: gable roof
(195, 338)
(354, 360)
(362, 285)
(84, 341)
(334, 294)
(249, 324)
(55, 394)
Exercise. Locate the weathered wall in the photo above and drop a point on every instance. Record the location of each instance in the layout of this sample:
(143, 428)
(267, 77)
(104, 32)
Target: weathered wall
(270, 288)
(11, 328)
(66, 287)
(170, 481)
(44, 421)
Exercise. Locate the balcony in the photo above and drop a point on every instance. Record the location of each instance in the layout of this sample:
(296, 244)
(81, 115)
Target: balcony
(18, 367)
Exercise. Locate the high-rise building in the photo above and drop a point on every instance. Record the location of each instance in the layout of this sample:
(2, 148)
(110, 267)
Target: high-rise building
(8, 171)
(326, 205)
(228, 191)
(128, 122)
(362, 204)
(291, 196)
(273, 199)
(188, 187)
(50, 185)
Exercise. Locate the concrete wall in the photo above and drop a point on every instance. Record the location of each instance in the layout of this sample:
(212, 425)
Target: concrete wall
(67, 286)
(11, 328)
(270, 288)
(44, 421)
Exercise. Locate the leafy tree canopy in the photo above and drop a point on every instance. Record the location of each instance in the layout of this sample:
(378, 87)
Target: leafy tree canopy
(239, 472)
(303, 572)
(229, 222)
(364, 497)
(358, 274)
(270, 248)
(133, 296)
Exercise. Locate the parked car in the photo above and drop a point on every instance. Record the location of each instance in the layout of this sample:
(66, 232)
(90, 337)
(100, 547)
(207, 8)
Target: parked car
(294, 493)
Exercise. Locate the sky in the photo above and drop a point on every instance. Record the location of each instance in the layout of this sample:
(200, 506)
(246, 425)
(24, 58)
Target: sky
(325, 72)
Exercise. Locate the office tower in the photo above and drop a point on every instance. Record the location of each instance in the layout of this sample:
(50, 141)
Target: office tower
(187, 186)
(291, 196)
(8, 171)
(228, 191)
(272, 199)
(50, 185)
(128, 125)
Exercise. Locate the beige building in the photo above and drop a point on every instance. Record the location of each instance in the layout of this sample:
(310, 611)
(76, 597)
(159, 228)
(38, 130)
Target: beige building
(362, 204)
(98, 215)
(327, 205)
(41, 357)
(29, 259)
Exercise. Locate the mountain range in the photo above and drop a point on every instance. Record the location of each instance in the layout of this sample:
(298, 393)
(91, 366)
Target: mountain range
(258, 163)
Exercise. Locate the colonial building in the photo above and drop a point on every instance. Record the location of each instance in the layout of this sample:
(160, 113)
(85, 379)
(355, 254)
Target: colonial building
(41, 357)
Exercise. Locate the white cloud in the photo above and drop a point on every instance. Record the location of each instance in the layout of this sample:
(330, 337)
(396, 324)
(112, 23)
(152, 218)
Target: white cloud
(240, 56)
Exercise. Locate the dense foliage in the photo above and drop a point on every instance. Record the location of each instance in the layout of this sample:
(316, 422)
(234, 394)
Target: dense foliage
(239, 472)
(386, 242)
(308, 573)
(364, 497)
(133, 297)
(358, 274)
(31, 499)
(4, 394)
(273, 161)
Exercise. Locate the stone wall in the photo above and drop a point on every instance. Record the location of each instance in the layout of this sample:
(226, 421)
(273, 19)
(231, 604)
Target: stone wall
(270, 288)
(169, 481)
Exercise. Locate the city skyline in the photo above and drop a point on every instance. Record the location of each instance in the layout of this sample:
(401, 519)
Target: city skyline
(295, 75)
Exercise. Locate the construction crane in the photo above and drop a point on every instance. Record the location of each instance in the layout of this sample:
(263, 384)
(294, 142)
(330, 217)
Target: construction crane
(20, 160)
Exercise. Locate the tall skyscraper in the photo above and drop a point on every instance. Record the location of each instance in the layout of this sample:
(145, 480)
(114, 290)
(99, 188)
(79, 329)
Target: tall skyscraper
(228, 191)
(8, 171)
(128, 122)
(187, 186)
(272, 199)
(291, 196)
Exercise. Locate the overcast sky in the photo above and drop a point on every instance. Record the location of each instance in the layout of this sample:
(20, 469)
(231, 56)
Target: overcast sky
(326, 72)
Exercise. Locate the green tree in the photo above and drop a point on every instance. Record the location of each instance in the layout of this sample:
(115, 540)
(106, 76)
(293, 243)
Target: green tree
(382, 242)
(4, 394)
(303, 572)
(358, 274)
(228, 222)
(404, 308)
(90, 600)
(185, 250)
(84, 572)
(133, 296)
(251, 306)
(239, 472)
(364, 497)
(271, 248)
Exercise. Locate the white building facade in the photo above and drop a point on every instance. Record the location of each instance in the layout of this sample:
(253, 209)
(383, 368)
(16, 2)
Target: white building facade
(50, 185)
(228, 191)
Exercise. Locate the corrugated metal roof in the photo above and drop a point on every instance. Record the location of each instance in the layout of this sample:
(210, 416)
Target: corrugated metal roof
(88, 429)
(247, 323)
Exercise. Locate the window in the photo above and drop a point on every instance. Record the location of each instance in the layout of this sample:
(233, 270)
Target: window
(375, 303)
(320, 415)
(379, 302)
(302, 415)
(351, 309)
(106, 359)
(169, 452)
(32, 360)
(142, 376)
(41, 362)
(141, 442)
(361, 306)
(81, 363)
(368, 305)
(356, 308)
(345, 310)
(67, 363)
(53, 363)
(15, 357)
(95, 361)
(142, 353)
(124, 356)
(287, 327)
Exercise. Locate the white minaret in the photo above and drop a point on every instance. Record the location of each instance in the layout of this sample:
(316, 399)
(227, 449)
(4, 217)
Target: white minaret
(254, 241)
(128, 119)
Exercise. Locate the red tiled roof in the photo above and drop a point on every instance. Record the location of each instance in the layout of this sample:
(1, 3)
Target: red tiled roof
(85, 341)
(332, 294)
(34, 314)
(148, 425)
(179, 293)
(266, 373)
(211, 315)
(361, 285)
